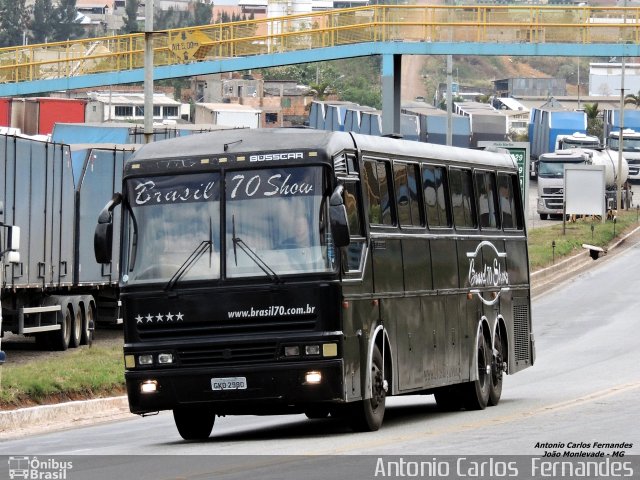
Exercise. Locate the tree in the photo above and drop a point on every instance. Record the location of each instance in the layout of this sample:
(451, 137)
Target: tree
(594, 122)
(14, 19)
(632, 99)
(202, 14)
(130, 17)
(67, 16)
(43, 22)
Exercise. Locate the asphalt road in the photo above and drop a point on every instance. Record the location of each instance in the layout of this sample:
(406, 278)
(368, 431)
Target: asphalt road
(583, 388)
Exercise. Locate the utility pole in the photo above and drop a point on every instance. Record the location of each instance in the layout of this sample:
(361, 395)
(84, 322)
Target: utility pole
(148, 71)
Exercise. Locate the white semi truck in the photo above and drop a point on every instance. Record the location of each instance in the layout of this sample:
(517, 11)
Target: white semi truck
(630, 150)
(551, 177)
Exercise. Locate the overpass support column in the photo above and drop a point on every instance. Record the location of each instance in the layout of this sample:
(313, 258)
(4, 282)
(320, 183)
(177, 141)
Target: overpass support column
(391, 81)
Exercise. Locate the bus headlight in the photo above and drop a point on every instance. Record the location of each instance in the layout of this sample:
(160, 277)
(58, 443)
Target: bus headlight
(145, 359)
(292, 351)
(312, 350)
(165, 358)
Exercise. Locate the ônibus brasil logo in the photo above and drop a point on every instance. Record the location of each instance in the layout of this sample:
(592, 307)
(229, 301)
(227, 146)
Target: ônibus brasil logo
(489, 274)
(32, 468)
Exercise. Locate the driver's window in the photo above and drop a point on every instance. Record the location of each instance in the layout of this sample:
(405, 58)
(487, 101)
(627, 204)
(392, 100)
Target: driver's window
(353, 253)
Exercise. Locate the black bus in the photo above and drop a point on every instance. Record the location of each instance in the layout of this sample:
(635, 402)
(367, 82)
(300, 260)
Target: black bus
(290, 270)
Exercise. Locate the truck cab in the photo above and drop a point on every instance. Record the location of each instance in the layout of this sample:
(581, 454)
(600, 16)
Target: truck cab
(551, 179)
(630, 150)
(576, 140)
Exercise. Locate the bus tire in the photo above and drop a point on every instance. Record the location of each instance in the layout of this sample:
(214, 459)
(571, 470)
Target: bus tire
(194, 423)
(367, 415)
(476, 393)
(497, 370)
(88, 324)
(449, 399)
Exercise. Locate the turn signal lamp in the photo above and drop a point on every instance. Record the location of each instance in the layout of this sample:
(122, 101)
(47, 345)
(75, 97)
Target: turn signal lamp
(129, 361)
(330, 350)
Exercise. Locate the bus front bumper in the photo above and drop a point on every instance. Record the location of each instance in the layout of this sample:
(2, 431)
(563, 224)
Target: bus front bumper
(261, 389)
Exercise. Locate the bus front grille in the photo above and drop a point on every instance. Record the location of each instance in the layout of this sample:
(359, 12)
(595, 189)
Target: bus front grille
(227, 355)
(521, 331)
(216, 329)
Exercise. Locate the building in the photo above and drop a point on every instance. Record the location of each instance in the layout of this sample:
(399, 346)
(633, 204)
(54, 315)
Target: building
(530, 86)
(127, 106)
(605, 79)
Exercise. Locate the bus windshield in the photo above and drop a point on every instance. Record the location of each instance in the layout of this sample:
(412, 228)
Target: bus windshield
(170, 220)
(628, 144)
(276, 224)
(553, 169)
(277, 221)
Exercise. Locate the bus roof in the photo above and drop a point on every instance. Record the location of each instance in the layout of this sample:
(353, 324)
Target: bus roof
(244, 141)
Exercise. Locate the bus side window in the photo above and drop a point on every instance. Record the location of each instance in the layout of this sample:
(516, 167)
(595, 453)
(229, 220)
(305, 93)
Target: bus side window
(485, 183)
(436, 193)
(352, 254)
(462, 200)
(408, 204)
(507, 200)
(377, 193)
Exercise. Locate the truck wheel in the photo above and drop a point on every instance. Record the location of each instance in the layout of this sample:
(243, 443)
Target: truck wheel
(60, 339)
(194, 423)
(367, 415)
(88, 325)
(543, 216)
(476, 393)
(76, 327)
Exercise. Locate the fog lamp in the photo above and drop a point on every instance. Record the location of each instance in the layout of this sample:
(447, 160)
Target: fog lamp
(313, 377)
(149, 386)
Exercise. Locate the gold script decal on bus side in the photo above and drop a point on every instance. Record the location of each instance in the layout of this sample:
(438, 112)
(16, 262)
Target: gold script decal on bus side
(488, 275)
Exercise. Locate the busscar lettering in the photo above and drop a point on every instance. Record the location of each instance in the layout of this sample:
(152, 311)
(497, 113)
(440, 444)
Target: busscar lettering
(268, 157)
(148, 192)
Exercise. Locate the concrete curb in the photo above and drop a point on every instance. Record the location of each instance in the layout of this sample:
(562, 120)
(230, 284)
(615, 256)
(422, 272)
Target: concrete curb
(25, 421)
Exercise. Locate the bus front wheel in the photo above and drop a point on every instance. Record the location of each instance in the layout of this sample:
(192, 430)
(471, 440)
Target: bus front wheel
(367, 415)
(476, 395)
(194, 423)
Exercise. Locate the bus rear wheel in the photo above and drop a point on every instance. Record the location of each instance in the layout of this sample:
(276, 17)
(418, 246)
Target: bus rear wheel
(476, 395)
(497, 368)
(367, 415)
(194, 423)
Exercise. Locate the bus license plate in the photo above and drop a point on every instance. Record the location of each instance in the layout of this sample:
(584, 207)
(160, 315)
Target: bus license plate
(229, 383)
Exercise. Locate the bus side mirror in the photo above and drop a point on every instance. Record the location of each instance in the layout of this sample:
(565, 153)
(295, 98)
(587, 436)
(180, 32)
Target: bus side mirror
(338, 218)
(103, 236)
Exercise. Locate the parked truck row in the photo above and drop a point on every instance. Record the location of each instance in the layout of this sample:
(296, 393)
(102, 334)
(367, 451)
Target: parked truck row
(53, 193)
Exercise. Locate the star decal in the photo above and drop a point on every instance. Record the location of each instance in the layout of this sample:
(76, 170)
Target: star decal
(179, 317)
(159, 317)
(170, 317)
(139, 319)
(149, 318)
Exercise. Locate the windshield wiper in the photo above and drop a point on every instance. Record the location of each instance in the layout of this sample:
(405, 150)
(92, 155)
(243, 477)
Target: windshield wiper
(237, 241)
(188, 263)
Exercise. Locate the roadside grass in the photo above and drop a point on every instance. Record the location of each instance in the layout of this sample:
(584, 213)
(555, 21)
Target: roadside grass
(541, 247)
(87, 372)
(99, 371)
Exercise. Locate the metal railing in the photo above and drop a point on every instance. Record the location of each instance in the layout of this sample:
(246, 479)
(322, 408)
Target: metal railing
(473, 23)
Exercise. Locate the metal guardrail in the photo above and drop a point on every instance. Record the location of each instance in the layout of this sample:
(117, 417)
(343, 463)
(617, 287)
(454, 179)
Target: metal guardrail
(473, 23)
